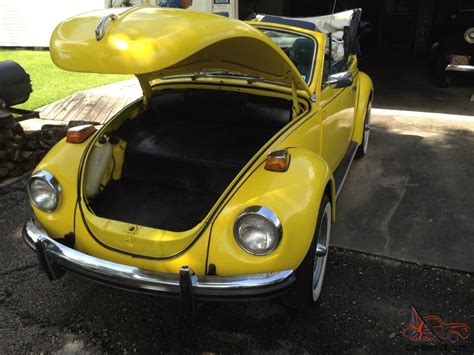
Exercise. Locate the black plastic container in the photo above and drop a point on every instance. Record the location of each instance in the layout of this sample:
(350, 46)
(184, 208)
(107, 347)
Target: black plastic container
(15, 84)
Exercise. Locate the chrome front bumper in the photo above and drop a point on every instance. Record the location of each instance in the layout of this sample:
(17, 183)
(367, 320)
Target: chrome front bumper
(460, 68)
(56, 258)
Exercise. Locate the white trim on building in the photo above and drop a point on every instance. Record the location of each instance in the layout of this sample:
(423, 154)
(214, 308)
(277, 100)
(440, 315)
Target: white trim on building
(29, 23)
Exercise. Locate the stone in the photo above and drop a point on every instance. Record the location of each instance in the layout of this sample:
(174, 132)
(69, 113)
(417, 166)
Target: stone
(7, 121)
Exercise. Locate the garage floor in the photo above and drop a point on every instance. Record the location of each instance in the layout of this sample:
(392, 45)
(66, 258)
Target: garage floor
(411, 198)
(406, 83)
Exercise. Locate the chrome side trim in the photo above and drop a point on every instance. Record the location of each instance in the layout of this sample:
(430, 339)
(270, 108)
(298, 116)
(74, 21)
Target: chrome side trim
(460, 68)
(136, 279)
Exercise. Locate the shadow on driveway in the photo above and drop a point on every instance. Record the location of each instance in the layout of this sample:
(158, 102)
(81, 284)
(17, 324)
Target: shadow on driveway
(411, 198)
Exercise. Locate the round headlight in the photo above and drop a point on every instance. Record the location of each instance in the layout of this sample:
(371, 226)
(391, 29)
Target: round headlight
(258, 230)
(44, 191)
(469, 35)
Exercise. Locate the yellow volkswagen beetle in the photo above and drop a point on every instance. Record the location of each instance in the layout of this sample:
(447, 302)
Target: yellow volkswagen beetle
(221, 182)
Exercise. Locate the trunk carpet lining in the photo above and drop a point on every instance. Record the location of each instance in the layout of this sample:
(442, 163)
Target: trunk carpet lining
(153, 205)
(183, 152)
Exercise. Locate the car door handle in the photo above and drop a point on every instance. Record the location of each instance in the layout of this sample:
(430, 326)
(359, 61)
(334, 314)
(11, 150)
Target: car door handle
(353, 89)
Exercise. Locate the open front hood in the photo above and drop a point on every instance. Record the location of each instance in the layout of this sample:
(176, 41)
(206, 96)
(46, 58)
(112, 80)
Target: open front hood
(155, 42)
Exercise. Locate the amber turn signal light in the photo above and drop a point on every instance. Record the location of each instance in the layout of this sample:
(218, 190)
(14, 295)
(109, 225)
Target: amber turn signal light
(278, 161)
(79, 134)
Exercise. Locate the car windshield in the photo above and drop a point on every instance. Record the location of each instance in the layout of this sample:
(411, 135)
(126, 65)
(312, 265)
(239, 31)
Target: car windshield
(299, 48)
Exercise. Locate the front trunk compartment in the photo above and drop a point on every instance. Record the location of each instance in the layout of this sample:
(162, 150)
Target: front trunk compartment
(182, 153)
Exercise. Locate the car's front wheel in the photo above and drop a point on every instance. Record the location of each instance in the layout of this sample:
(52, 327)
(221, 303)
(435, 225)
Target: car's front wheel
(363, 148)
(310, 274)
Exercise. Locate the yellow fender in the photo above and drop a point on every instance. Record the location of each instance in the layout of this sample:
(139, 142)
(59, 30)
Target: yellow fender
(366, 91)
(63, 162)
(294, 196)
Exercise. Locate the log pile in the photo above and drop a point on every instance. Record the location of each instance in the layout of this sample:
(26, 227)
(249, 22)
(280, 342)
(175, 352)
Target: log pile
(21, 151)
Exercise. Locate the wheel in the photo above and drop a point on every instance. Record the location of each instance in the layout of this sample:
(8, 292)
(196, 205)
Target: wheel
(453, 337)
(362, 150)
(310, 274)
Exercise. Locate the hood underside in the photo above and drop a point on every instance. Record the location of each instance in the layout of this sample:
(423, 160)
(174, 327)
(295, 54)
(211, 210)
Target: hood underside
(156, 42)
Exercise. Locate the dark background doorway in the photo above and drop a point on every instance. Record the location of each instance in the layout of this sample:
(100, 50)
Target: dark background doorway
(396, 53)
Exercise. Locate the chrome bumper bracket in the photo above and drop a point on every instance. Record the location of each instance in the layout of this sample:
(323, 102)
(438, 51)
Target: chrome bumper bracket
(186, 290)
(52, 271)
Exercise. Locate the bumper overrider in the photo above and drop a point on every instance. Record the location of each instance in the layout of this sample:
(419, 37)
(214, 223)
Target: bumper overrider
(56, 258)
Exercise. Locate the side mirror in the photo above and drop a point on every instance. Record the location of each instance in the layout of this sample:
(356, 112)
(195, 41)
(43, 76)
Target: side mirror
(340, 80)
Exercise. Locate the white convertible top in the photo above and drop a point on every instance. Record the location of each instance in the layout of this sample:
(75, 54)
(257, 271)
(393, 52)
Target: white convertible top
(333, 24)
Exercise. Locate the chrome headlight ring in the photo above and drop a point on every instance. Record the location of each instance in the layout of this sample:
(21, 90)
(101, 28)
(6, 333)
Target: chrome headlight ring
(469, 35)
(265, 226)
(51, 198)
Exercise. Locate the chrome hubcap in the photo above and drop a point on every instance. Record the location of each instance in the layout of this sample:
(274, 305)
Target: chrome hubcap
(367, 128)
(321, 252)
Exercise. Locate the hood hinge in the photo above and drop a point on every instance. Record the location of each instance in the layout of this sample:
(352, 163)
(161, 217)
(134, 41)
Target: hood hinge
(294, 93)
(146, 88)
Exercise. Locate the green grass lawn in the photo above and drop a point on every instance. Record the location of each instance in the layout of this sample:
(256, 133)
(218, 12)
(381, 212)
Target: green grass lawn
(51, 83)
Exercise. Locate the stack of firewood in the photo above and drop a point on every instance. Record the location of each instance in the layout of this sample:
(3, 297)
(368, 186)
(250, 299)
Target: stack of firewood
(20, 151)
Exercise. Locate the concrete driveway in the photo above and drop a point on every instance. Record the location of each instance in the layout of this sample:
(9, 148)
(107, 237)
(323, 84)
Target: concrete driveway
(412, 197)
